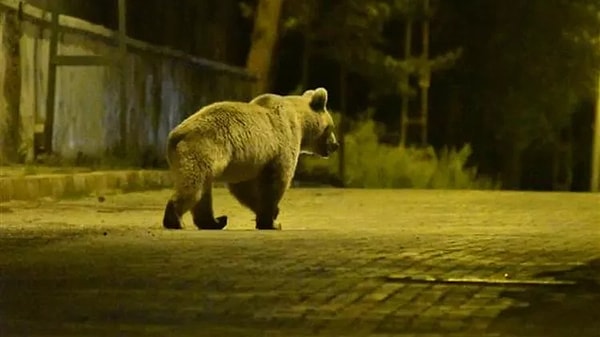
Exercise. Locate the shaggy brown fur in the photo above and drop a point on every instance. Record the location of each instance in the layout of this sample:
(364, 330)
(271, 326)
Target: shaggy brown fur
(253, 147)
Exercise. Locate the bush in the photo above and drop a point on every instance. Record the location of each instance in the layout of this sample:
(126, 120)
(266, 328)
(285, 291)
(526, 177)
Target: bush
(370, 164)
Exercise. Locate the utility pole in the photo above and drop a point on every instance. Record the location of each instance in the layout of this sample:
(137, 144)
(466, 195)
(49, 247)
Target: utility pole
(342, 126)
(595, 181)
(425, 76)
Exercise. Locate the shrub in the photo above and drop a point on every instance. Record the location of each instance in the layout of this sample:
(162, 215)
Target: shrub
(370, 164)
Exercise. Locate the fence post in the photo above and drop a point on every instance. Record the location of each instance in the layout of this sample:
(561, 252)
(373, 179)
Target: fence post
(51, 89)
(122, 36)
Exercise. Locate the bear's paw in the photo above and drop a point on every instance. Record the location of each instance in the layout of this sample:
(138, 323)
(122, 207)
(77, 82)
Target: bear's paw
(218, 223)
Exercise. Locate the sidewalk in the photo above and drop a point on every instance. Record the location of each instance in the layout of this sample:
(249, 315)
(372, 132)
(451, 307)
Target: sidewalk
(19, 182)
(35, 182)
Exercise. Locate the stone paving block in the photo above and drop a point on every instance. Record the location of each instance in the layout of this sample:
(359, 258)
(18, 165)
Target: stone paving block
(436, 311)
(425, 324)
(394, 323)
(383, 292)
(458, 295)
(411, 292)
(345, 298)
(478, 324)
(452, 324)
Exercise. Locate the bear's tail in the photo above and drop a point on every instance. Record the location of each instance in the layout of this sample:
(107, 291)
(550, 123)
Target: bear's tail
(172, 141)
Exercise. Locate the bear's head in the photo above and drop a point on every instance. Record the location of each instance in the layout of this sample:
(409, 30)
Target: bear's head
(318, 127)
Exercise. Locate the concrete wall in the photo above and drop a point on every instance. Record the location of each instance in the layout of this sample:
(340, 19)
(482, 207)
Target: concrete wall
(162, 88)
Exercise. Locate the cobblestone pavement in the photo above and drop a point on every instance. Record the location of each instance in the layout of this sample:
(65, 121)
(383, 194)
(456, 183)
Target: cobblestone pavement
(347, 263)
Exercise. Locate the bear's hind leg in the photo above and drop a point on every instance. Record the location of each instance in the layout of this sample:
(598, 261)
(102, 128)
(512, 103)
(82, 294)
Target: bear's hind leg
(175, 208)
(202, 211)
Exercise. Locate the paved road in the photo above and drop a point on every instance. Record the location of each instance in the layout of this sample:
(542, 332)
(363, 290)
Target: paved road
(347, 263)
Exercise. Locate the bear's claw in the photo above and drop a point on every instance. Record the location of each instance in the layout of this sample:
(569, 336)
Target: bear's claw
(218, 223)
(172, 225)
(273, 226)
(222, 221)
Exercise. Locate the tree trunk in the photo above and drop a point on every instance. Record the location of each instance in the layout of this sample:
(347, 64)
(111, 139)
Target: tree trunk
(223, 31)
(512, 168)
(306, 52)
(264, 39)
(595, 181)
(453, 121)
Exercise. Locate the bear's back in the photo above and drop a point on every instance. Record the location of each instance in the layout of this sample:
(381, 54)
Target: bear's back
(244, 136)
(224, 120)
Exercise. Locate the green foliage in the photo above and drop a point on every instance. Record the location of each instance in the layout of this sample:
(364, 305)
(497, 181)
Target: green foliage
(546, 66)
(351, 32)
(370, 164)
(583, 21)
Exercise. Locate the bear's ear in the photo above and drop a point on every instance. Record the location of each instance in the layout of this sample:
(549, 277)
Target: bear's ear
(308, 93)
(318, 101)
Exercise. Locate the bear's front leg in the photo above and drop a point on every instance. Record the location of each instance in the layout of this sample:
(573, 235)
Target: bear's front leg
(266, 220)
(248, 194)
(202, 212)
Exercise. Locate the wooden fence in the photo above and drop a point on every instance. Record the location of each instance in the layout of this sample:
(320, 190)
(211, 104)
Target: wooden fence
(89, 114)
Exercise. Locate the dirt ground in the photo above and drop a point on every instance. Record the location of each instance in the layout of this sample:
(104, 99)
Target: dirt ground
(347, 263)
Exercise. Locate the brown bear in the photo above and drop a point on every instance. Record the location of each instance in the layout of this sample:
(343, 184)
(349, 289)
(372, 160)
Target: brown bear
(252, 147)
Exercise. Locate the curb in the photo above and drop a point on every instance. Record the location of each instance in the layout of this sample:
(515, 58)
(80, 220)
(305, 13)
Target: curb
(81, 184)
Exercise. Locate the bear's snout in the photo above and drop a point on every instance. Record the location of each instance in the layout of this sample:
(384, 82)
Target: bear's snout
(328, 147)
(332, 147)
